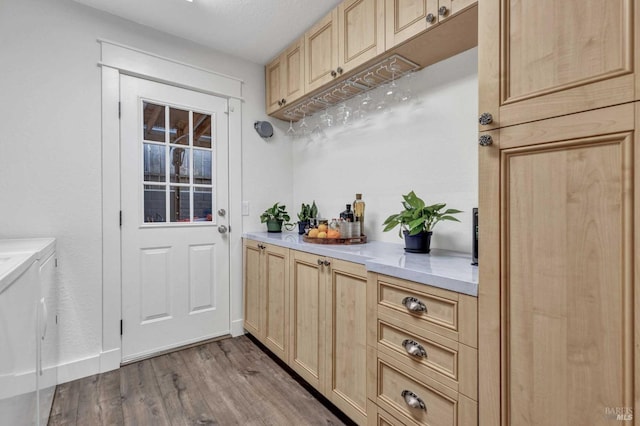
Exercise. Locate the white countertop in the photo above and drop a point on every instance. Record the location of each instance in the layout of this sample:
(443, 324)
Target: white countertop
(16, 255)
(445, 269)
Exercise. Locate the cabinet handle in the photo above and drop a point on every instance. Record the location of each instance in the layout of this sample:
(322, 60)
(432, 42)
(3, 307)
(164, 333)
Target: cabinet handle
(340, 70)
(279, 103)
(261, 247)
(431, 18)
(414, 348)
(284, 101)
(443, 11)
(333, 73)
(413, 400)
(414, 305)
(320, 262)
(485, 140)
(485, 118)
(326, 263)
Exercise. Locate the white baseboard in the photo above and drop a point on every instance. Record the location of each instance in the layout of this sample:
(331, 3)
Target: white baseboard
(110, 360)
(237, 328)
(78, 369)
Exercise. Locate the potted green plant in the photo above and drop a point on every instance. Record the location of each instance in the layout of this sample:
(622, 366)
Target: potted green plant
(275, 217)
(417, 221)
(306, 213)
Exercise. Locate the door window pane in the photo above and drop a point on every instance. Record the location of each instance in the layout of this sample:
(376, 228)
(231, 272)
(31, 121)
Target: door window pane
(154, 163)
(201, 130)
(153, 122)
(155, 203)
(202, 204)
(201, 167)
(179, 158)
(179, 126)
(179, 207)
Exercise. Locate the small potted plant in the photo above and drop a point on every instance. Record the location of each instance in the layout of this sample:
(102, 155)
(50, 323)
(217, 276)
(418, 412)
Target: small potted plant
(307, 212)
(417, 221)
(275, 217)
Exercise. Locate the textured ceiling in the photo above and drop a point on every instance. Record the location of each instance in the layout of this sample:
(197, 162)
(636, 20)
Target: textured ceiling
(255, 30)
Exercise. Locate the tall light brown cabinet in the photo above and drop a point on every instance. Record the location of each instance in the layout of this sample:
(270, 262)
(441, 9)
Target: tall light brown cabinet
(559, 293)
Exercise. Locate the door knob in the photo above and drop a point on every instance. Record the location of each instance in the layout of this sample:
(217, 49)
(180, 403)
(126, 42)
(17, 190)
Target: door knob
(222, 212)
(222, 229)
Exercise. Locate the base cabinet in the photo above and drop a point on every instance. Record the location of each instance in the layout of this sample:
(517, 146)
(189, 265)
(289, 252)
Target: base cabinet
(266, 302)
(423, 350)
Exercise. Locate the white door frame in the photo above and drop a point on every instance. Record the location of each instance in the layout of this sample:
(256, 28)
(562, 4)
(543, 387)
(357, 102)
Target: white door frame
(118, 59)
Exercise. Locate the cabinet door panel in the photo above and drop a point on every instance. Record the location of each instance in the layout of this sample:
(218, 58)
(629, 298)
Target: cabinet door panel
(360, 32)
(307, 318)
(549, 58)
(347, 350)
(277, 299)
(407, 18)
(559, 299)
(252, 288)
(293, 75)
(273, 79)
(321, 53)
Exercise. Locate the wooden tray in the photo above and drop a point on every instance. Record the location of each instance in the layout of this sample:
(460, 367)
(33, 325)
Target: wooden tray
(362, 239)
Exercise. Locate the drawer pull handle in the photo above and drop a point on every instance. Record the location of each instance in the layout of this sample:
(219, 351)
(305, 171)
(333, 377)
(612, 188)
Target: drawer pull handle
(413, 400)
(414, 305)
(414, 348)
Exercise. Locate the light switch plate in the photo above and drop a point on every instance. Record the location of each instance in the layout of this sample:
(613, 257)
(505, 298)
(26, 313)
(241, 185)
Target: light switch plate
(245, 208)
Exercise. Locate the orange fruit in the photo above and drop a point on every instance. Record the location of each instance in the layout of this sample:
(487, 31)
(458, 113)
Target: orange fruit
(322, 227)
(333, 233)
(313, 233)
(322, 235)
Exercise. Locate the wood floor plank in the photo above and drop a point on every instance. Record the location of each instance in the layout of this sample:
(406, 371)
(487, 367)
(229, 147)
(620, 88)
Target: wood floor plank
(183, 400)
(141, 399)
(227, 382)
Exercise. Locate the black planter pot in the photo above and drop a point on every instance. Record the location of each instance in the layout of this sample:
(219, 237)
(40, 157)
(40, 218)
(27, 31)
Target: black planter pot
(419, 243)
(302, 225)
(274, 225)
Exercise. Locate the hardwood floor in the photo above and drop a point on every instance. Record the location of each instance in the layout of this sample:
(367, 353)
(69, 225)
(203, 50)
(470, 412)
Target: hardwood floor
(227, 382)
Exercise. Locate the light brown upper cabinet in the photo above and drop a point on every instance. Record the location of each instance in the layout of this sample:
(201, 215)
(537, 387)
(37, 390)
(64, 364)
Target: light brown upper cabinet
(545, 59)
(321, 52)
(360, 32)
(349, 36)
(408, 18)
(285, 77)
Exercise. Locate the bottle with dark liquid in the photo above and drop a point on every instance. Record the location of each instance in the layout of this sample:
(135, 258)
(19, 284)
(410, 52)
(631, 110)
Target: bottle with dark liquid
(347, 215)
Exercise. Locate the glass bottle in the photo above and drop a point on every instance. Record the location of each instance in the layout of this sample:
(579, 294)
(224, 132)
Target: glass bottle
(358, 212)
(347, 215)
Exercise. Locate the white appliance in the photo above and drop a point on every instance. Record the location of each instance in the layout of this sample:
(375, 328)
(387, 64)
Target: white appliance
(28, 330)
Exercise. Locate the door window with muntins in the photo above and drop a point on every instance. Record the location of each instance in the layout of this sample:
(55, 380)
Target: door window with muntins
(177, 165)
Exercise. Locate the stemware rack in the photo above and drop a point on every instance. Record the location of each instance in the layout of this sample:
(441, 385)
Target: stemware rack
(382, 72)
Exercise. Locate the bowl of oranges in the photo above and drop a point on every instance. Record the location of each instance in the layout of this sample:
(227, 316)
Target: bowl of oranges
(323, 234)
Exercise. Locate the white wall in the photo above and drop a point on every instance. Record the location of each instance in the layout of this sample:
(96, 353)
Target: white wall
(50, 177)
(429, 146)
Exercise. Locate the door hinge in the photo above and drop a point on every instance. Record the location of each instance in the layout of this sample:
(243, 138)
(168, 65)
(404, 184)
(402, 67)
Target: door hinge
(121, 327)
(120, 217)
(119, 109)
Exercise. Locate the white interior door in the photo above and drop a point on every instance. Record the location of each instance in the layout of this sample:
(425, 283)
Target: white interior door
(174, 193)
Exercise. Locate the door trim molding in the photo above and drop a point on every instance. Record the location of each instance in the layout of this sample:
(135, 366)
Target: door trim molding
(117, 60)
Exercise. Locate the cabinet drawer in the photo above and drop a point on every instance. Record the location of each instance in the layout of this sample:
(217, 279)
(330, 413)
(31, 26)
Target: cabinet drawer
(447, 313)
(439, 401)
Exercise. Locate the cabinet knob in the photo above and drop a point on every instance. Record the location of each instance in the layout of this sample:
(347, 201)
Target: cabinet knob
(485, 140)
(431, 18)
(413, 400)
(279, 103)
(333, 73)
(261, 247)
(443, 11)
(320, 262)
(284, 101)
(414, 348)
(326, 263)
(485, 118)
(414, 305)
(340, 70)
